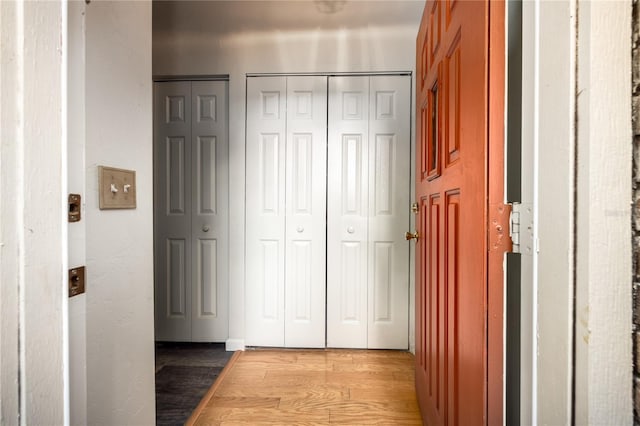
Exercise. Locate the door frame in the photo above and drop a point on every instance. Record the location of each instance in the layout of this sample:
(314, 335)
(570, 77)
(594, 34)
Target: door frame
(498, 238)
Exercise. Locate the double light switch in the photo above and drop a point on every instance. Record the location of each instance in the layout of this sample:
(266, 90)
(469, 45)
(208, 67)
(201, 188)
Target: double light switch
(117, 188)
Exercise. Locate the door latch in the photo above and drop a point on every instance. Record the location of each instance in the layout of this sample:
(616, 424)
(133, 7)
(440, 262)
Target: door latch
(76, 281)
(74, 207)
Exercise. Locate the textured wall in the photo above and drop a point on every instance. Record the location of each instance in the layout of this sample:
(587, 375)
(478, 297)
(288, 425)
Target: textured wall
(603, 366)
(635, 119)
(119, 244)
(32, 249)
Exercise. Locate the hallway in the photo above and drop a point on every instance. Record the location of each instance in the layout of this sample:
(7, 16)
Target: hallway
(318, 387)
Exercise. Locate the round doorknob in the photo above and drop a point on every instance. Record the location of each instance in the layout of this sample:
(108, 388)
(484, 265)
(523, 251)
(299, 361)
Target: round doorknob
(300, 229)
(351, 230)
(206, 228)
(410, 236)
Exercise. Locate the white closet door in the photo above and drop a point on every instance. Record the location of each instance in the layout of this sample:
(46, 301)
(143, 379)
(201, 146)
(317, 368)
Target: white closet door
(209, 189)
(305, 229)
(389, 210)
(265, 210)
(172, 224)
(368, 212)
(347, 211)
(190, 211)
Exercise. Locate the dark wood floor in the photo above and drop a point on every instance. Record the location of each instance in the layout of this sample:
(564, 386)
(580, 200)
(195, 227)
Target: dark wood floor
(184, 374)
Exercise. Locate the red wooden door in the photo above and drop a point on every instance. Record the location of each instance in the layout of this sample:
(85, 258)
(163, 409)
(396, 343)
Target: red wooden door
(453, 189)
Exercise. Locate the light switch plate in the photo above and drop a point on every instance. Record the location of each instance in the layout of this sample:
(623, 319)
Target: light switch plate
(117, 188)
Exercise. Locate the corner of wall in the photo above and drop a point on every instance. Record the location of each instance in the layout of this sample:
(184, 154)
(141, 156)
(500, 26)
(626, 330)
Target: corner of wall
(233, 345)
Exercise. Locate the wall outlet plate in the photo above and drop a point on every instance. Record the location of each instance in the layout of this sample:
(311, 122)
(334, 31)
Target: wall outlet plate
(117, 188)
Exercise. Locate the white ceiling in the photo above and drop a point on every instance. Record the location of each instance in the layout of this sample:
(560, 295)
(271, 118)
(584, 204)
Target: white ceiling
(224, 16)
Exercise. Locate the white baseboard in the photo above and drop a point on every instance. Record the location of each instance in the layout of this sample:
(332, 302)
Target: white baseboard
(233, 345)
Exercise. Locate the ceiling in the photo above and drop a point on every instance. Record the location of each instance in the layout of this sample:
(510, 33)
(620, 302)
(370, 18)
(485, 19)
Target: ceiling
(228, 16)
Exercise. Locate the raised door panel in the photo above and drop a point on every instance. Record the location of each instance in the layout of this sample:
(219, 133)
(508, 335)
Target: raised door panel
(451, 286)
(305, 223)
(209, 194)
(389, 189)
(172, 148)
(347, 211)
(265, 212)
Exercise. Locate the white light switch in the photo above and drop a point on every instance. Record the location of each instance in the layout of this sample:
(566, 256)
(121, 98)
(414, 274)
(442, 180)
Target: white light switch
(111, 180)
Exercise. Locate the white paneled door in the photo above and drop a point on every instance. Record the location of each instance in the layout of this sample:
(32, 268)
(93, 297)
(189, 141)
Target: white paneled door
(286, 208)
(305, 209)
(368, 212)
(191, 210)
(328, 187)
(347, 212)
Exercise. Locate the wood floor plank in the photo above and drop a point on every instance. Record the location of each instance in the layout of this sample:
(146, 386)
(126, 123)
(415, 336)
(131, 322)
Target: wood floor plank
(322, 392)
(245, 402)
(295, 378)
(382, 393)
(352, 406)
(261, 416)
(314, 387)
(375, 418)
(372, 367)
(361, 378)
(287, 366)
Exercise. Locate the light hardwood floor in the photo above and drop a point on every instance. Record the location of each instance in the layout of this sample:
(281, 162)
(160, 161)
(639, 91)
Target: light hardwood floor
(312, 387)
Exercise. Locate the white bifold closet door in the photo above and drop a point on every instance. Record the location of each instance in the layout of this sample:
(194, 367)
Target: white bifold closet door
(368, 212)
(328, 232)
(286, 211)
(191, 211)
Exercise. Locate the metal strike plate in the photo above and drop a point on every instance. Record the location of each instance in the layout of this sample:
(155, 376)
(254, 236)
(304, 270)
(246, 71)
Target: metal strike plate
(76, 281)
(74, 207)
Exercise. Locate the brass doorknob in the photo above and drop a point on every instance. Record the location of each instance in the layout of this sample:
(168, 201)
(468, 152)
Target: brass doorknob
(409, 236)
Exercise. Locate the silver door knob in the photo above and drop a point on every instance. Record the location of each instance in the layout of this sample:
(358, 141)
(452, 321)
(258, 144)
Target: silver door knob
(205, 228)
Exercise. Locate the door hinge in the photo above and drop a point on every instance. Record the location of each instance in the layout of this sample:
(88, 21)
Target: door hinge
(521, 228)
(514, 227)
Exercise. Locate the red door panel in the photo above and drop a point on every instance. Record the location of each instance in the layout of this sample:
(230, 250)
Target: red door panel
(453, 192)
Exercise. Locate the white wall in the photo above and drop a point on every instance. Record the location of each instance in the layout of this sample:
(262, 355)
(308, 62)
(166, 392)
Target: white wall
(33, 246)
(603, 294)
(576, 172)
(235, 52)
(119, 244)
